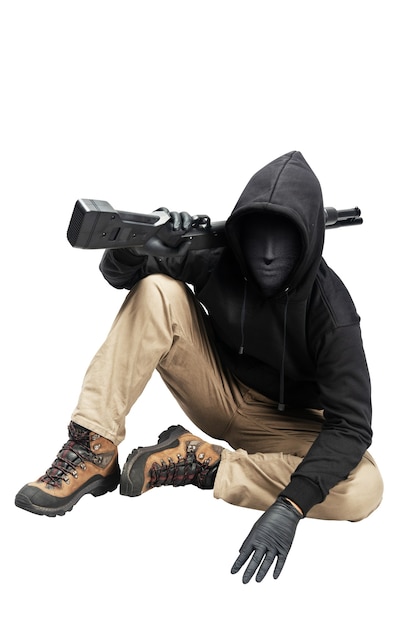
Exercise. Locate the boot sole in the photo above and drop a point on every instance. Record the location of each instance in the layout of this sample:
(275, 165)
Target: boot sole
(132, 478)
(95, 487)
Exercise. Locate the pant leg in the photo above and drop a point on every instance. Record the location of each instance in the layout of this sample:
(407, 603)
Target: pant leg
(255, 481)
(269, 447)
(159, 326)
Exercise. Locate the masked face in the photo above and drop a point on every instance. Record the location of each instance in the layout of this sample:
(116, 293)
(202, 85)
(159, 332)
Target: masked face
(271, 248)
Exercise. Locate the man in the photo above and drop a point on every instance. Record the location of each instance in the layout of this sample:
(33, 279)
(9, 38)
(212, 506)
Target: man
(260, 343)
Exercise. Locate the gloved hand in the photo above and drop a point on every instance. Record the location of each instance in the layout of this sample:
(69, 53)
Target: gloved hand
(170, 234)
(168, 241)
(271, 537)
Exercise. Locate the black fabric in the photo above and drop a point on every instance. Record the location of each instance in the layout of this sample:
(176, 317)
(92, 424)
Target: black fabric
(318, 351)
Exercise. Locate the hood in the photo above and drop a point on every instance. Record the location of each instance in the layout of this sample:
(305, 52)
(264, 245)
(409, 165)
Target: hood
(287, 187)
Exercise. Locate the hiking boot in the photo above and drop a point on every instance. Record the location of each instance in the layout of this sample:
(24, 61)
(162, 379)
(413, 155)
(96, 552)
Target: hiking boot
(87, 463)
(178, 459)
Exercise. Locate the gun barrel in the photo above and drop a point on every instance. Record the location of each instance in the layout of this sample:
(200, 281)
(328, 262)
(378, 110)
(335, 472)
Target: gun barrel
(342, 217)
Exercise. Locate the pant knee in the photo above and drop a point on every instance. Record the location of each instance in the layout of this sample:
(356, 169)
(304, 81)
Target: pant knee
(162, 282)
(153, 294)
(355, 498)
(368, 491)
(159, 284)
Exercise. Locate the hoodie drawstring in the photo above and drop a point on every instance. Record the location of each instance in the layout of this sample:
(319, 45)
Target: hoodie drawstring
(281, 405)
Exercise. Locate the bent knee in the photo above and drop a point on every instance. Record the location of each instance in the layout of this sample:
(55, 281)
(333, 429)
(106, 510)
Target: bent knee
(154, 289)
(355, 498)
(366, 491)
(159, 282)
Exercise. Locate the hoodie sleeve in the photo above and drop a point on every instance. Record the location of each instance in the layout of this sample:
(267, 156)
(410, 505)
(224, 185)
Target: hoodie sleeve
(344, 385)
(123, 270)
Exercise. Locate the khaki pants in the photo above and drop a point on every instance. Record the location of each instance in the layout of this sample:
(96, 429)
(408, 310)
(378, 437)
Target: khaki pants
(160, 326)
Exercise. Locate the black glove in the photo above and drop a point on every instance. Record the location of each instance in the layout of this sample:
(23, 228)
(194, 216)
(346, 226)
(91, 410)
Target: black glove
(168, 240)
(271, 537)
(170, 234)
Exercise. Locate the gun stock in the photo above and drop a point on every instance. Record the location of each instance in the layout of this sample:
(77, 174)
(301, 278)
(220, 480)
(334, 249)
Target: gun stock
(95, 224)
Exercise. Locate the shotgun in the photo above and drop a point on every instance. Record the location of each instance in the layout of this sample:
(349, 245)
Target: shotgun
(95, 224)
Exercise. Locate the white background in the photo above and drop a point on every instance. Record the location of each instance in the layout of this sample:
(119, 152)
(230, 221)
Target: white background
(178, 103)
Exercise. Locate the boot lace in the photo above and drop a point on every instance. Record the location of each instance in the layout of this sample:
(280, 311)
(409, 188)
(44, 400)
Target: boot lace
(189, 470)
(71, 457)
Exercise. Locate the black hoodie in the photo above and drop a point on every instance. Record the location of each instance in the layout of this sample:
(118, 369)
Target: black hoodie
(303, 346)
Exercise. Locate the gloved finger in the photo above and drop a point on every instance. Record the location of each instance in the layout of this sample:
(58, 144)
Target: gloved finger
(186, 220)
(265, 566)
(244, 554)
(253, 565)
(279, 566)
(175, 220)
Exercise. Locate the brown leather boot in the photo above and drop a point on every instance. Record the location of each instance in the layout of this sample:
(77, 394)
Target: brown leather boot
(87, 463)
(179, 458)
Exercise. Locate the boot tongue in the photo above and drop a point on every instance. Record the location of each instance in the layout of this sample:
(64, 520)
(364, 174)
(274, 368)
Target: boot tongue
(79, 433)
